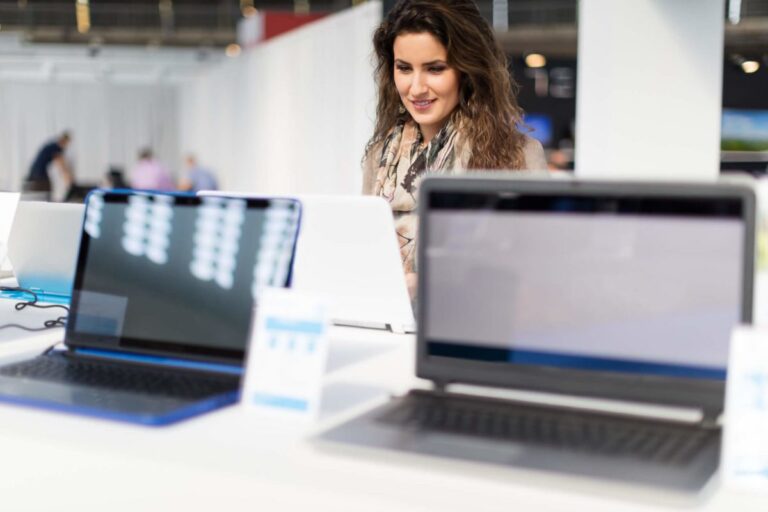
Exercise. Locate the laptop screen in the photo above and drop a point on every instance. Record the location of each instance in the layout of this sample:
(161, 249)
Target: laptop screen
(177, 275)
(595, 282)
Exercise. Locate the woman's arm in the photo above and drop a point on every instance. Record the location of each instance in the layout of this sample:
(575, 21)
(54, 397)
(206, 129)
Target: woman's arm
(369, 175)
(534, 155)
(370, 168)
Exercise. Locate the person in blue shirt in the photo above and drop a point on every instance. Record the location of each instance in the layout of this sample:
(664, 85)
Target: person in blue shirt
(197, 178)
(52, 152)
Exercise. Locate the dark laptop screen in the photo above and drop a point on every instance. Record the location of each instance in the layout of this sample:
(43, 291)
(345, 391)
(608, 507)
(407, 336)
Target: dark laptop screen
(647, 285)
(177, 275)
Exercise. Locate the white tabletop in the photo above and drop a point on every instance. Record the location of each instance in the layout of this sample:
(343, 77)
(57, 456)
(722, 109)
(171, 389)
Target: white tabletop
(16, 343)
(232, 460)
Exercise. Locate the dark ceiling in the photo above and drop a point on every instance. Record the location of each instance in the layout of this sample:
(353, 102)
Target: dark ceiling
(545, 26)
(165, 22)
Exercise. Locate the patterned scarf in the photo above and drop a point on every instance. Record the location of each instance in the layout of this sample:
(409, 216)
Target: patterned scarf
(439, 156)
(404, 160)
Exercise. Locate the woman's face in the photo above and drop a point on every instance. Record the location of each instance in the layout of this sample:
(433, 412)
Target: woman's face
(428, 87)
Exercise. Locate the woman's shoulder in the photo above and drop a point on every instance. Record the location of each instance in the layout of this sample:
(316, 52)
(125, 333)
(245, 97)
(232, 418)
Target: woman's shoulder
(533, 152)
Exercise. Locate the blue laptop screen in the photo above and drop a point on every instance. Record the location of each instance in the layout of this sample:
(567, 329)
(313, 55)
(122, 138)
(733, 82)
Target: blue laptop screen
(177, 275)
(623, 284)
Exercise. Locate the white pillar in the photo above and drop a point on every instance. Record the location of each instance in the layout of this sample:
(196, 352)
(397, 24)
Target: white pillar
(649, 89)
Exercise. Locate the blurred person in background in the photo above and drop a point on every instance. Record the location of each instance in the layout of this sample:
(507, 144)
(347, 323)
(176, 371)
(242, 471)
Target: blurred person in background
(196, 177)
(558, 160)
(38, 179)
(114, 178)
(149, 174)
(446, 104)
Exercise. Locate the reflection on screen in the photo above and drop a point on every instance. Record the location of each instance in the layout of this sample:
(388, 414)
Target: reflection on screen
(179, 274)
(637, 292)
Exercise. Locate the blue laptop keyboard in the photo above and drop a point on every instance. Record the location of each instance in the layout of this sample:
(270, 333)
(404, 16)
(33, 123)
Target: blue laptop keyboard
(116, 376)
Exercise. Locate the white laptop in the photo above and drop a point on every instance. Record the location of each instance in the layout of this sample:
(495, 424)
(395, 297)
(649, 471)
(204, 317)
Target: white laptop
(8, 202)
(347, 252)
(43, 245)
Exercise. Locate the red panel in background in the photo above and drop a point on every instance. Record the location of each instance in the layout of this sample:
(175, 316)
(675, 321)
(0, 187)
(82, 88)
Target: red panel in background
(276, 23)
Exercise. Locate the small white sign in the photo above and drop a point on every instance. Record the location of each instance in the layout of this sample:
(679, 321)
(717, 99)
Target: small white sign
(745, 446)
(287, 354)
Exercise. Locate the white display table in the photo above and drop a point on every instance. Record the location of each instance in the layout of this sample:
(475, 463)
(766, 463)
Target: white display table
(232, 460)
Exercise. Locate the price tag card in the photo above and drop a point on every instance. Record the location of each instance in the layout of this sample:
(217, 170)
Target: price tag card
(745, 448)
(286, 354)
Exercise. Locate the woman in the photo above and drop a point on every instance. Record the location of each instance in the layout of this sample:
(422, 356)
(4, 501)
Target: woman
(446, 104)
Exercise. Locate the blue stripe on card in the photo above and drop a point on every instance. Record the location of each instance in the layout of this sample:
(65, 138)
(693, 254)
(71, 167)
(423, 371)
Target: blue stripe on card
(303, 326)
(283, 402)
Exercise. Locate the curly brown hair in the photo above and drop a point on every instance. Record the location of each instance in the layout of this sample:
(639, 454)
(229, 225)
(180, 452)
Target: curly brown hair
(488, 113)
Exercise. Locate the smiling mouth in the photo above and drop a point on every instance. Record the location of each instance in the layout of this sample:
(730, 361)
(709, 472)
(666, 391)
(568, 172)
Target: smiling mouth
(422, 104)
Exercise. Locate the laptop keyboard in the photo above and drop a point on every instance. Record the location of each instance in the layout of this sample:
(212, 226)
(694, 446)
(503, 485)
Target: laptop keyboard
(181, 384)
(575, 431)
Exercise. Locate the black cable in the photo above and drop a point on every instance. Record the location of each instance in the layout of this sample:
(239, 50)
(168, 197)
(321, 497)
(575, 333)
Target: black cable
(34, 302)
(19, 306)
(49, 324)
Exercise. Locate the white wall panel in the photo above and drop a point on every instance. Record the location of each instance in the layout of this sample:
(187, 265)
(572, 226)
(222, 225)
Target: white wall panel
(291, 115)
(649, 88)
(109, 123)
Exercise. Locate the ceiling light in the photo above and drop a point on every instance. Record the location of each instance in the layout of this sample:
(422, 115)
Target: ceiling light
(750, 66)
(83, 15)
(535, 60)
(233, 50)
(247, 8)
(734, 11)
(301, 6)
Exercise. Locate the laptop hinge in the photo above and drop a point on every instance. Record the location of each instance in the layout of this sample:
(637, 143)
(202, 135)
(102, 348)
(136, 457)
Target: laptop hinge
(440, 386)
(152, 360)
(711, 418)
(705, 417)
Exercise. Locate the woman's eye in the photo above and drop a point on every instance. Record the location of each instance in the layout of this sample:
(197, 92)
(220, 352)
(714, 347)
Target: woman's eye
(402, 68)
(437, 69)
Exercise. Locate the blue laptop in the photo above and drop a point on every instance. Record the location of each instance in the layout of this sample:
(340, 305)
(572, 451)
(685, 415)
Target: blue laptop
(161, 306)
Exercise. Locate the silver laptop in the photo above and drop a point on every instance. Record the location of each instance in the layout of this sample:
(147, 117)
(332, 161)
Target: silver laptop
(347, 252)
(623, 292)
(37, 228)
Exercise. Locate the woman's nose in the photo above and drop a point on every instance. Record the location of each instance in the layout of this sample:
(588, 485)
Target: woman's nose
(419, 84)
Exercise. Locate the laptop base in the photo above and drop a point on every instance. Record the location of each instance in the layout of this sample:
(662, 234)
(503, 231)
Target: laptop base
(388, 427)
(112, 390)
